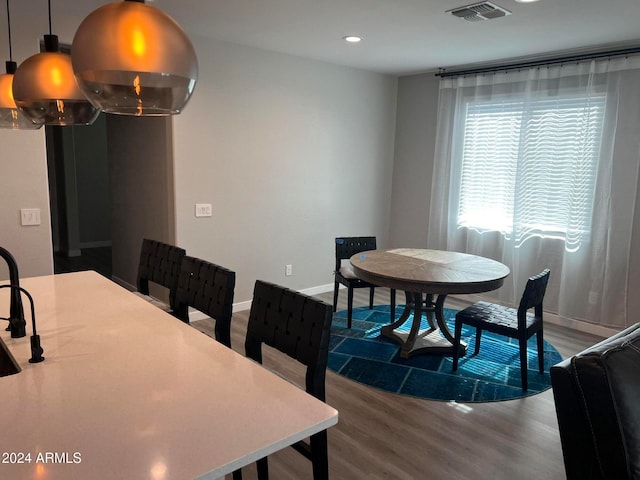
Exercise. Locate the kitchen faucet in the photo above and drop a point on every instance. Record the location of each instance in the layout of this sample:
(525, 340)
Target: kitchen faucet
(17, 323)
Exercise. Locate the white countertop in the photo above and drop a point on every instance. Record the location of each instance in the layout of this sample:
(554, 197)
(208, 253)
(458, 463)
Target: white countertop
(133, 393)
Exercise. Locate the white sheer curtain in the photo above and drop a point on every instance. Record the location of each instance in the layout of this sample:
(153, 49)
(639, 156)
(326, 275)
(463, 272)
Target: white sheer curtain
(564, 141)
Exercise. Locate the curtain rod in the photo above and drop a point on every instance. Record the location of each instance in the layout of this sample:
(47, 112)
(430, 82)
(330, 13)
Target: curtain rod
(537, 63)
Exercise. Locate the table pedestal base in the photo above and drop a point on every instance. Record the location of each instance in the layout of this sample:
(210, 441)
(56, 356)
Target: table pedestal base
(437, 339)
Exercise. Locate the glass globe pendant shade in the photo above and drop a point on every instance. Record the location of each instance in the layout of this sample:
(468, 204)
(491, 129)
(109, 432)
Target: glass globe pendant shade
(132, 59)
(10, 114)
(45, 89)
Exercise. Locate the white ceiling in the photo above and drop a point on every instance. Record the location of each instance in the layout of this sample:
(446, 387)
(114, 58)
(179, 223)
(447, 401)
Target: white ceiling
(401, 36)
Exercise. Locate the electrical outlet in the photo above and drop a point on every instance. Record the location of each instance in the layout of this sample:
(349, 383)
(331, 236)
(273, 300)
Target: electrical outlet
(203, 209)
(288, 270)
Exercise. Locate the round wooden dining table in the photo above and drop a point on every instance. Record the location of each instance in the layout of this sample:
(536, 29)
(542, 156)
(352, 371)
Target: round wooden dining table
(424, 274)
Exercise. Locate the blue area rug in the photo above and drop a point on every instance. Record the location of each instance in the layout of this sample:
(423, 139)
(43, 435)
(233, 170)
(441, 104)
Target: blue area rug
(362, 355)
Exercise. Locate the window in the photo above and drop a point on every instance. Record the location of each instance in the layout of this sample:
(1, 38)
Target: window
(529, 168)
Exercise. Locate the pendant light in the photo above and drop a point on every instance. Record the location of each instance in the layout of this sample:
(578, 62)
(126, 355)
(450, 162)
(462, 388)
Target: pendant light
(133, 59)
(10, 114)
(45, 88)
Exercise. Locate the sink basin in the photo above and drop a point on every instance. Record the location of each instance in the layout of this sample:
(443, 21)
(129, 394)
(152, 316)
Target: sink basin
(8, 364)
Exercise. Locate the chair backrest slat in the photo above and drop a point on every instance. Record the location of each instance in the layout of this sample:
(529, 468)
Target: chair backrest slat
(293, 323)
(209, 288)
(534, 292)
(160, 264)
(346, 247)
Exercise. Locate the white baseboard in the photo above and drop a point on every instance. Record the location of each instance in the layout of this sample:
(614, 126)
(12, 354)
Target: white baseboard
(237, 307)
(549, 317)
(241, 306)
(579, 325)
(122, 283)
(554, 319)
(320, 289)
(196, 315)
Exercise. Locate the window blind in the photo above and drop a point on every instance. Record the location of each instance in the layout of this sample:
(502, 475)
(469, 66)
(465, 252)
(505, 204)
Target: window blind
(529, 167)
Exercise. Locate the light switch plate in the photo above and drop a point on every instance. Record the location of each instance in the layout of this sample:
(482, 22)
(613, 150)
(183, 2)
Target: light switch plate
(203, 209)
(29, 216)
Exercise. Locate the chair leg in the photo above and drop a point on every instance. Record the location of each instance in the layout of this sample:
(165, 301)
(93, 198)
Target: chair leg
(237, 475)
(263, 469)
(478, 338)
(371, 292)
(320, 456)
(456, 343)
(349, 306)
(392, 312)
(523, 362)
(223, 333)
(540, 341)
(336, 287)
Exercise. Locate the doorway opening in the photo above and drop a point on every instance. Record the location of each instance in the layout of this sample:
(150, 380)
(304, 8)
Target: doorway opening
(111, 185)
(79, 196)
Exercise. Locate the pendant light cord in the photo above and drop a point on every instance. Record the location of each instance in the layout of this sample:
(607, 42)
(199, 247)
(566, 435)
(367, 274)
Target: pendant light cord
(50, 31)
(51, 41)
(9, 30)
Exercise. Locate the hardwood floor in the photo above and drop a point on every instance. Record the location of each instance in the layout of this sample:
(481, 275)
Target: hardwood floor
(386, 436)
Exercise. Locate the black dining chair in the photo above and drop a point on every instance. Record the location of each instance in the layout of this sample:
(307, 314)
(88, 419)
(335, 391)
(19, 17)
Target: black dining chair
(344, 274)
(513, 323)
(159, 264)
(208, 288)
(298, 326)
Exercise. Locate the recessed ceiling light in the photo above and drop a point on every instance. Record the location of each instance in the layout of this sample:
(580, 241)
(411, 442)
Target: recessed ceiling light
(352, 39)
(526, 1)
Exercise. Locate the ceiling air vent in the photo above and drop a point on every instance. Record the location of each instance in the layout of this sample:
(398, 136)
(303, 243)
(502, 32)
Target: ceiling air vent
(480, 11)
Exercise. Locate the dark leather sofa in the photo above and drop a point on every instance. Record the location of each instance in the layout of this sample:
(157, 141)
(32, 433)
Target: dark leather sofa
(597, 399)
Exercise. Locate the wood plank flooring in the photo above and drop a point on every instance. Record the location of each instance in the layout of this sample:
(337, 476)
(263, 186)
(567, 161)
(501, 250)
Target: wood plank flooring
(386, 436)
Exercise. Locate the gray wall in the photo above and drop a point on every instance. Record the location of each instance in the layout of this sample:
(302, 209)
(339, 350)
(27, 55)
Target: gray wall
(291, 153)
(23, 184)
(413, 164)
(141, 178)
